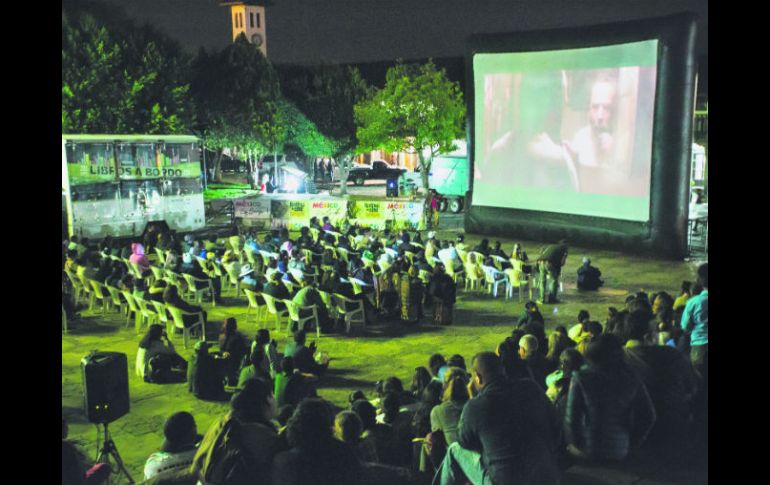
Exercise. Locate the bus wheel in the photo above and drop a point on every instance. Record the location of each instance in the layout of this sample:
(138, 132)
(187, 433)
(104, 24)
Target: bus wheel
(442, 205)
(455, 205)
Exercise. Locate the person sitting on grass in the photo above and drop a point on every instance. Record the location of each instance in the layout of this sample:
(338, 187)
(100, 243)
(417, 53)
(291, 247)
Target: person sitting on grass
(262, 340)
(589, 277)
(349, 430)
(291, 385)
(257, 368)
(233, 346)
(609, 411)
(181, 440)
(537, 363)
(303, 356)
(578, 331)
(507, 432)
(314, 455)
(157, 361)
(557, 342)
(593, 330)
(443, 292)
(252, 410)
(204, 375)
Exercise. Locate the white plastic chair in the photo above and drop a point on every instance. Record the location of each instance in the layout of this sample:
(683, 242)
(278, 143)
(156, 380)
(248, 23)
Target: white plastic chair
(294, 316)
(177, 314)
(271, 308)
(356, 315)
(251, 296)
(147, 310)
(494, 278)
(160, 310)
(133, 307)
(198, 293)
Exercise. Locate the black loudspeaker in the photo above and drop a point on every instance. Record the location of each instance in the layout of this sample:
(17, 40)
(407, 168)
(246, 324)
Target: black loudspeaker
(391, 188)
(105, 386)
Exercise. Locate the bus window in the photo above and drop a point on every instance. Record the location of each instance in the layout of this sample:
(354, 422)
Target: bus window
(176, 153)
(94, 192)
(136, 155)
(143, 194)
(94, 154)
(182, 186)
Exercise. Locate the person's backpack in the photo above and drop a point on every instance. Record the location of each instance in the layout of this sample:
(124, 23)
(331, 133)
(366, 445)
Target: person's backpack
(226, 461)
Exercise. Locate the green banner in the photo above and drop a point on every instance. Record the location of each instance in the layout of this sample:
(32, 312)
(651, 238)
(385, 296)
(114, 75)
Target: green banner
(88, 174)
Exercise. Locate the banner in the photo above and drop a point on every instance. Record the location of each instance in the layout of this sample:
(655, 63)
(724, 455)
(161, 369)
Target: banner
(294, 214)
(255, 208)
(80, 174)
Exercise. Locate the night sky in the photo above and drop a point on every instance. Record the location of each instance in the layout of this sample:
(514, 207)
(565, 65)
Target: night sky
(344, 31)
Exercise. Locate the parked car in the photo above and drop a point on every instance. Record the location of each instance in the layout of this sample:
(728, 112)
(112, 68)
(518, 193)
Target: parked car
(379, 170)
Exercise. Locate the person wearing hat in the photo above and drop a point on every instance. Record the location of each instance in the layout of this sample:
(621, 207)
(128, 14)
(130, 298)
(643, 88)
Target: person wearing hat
(181, 440)
(250, 281)
(589, 277)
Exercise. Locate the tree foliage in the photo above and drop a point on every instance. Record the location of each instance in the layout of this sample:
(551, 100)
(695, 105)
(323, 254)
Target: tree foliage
(326, 95)
(237, 93)
(132, 80)
(417, 110)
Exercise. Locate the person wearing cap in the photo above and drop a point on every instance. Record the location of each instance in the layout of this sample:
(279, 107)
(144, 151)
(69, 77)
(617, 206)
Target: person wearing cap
(181, 440)
(588, 277)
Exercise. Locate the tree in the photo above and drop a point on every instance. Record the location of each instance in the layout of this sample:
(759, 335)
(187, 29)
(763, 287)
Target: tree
(326, 95)
(126, 80)
(417, 110)
(303, 133)
(236, 91)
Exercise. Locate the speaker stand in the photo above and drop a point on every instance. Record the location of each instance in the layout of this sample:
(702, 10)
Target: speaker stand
(109, 450)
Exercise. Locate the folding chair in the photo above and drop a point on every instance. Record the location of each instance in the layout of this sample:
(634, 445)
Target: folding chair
(198, 293)
(251, 296)
(494, 278)
(294, 311)
(355, 315)
(177, 315)
(133, 307)
(279, 315)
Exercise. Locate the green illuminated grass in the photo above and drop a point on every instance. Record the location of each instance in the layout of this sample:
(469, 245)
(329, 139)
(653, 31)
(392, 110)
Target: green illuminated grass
(359, 360)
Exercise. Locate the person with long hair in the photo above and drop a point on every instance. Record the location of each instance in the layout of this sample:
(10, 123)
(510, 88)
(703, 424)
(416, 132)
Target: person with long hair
(445, 417)
(163, 354)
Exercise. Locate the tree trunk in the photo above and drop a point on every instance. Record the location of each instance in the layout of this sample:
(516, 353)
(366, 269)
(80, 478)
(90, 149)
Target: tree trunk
(218, 166)
(424, 170)
(343, 163)
(275, 169)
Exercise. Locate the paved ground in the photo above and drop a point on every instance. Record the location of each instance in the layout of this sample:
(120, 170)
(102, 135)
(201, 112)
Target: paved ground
(373, 353)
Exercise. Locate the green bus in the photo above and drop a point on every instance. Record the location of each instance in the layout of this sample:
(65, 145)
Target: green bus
(118, 184)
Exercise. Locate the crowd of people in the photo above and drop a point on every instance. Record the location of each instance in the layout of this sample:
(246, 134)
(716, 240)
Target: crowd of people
(520, 413)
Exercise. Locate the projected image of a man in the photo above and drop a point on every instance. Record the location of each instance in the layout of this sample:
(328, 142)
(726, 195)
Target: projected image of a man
(592, 145)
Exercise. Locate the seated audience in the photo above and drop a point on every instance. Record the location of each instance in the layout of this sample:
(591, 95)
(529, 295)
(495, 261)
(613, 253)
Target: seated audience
(349, 429)
(609, 411)
(536, 361)
(233, 346)
(252, 410)
(315, 457)
(589, 277)
(204, 375)
(157, 361)
(178, 448)
(507, 432)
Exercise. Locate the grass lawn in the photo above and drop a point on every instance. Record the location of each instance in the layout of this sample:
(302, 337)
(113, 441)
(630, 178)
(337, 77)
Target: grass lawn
(359, 359)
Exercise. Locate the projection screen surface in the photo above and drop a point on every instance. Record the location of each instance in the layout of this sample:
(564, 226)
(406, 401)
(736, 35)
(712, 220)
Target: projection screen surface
(567, 131)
